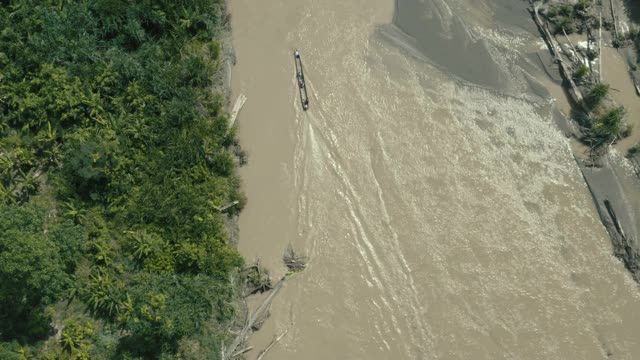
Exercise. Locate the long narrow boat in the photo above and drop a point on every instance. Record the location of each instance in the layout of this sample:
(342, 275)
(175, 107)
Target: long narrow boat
(304, 98)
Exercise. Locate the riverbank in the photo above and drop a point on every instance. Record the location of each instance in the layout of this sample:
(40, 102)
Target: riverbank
(611, 176)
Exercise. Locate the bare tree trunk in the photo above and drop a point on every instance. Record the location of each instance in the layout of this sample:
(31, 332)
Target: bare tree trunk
(575, 52)
(613, 17)
(600, 46)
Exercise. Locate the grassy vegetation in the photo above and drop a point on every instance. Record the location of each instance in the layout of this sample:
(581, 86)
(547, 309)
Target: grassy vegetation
(581, 73)
(607, 127)
(571, 18)
(605, 123)
(596, 95)
(114, 156)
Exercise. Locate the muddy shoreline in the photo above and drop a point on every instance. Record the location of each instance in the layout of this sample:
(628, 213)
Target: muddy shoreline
(613, 189)
(613, 180)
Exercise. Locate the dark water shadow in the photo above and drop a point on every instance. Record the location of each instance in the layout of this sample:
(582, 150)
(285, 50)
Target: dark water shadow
(514, 14)
(632, 8)
(446, 41)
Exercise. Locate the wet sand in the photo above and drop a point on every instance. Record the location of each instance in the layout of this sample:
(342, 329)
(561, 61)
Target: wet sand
(441, 208)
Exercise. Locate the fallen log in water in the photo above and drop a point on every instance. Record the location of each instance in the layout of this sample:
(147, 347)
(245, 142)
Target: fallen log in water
(248, 348)
(553, 48)
(295, 263)
(613, 18)
(624, 248)
(264, 352)
(573, 48)
(600, 45)
(237, 106)
(258, 314)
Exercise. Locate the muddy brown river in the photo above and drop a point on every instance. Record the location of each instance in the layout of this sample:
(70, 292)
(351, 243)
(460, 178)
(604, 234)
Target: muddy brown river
(442, 211)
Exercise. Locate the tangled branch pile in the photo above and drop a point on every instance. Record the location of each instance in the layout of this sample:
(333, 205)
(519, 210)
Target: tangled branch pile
(293, 261)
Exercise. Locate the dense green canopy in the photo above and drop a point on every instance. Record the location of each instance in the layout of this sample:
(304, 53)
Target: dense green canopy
(114, 161)
(35, 256)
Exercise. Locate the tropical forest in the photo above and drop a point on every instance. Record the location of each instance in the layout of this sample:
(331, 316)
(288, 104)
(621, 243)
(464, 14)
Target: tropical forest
(116, 163)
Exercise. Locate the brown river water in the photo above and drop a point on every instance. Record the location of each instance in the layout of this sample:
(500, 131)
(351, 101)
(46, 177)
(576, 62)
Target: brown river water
(441, 208)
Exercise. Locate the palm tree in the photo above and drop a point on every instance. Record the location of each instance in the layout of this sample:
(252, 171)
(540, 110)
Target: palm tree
(143, 246)
(103, 255)
(597, 94)
(78, 214)
(608, 128)
(102, 293)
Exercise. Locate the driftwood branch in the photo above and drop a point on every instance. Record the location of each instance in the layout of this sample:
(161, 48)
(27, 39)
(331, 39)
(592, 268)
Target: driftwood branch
(294, 261)
(248, 348)
(575, 52)
(262, 309)
(237, 106)
(251, 267)
(229, 205)
(258, 278)
(273, 342)
(613, 18)
(600, 45)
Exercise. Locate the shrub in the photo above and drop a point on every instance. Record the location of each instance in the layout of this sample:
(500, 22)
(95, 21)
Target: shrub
(581, 73)
(597, 93)
(608, 127)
